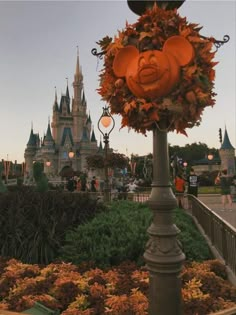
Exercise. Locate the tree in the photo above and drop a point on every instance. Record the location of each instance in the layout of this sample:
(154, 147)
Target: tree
(114, 160)
(39, 177)
(192, 152)
(37, 170)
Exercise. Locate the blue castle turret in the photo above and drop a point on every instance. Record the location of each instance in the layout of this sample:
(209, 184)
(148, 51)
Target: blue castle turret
(227, 154)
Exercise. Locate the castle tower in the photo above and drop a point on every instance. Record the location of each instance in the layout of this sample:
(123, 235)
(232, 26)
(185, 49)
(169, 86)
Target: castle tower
(78, 108)
(30, 152)
(48, 152)
(227, 155)
(55, 118)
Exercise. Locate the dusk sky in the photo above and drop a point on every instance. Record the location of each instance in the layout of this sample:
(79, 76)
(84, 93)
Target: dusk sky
(38, 52)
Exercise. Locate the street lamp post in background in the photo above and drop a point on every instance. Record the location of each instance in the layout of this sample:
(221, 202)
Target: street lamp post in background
(71, 155)
(210, 157)
(132, 164)
(185, 164)
(48, 164)
(6, 165)
(107, 122)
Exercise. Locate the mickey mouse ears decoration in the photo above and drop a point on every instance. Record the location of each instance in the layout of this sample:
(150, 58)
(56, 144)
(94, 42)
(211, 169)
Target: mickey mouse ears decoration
(159, 68)
(139, 7)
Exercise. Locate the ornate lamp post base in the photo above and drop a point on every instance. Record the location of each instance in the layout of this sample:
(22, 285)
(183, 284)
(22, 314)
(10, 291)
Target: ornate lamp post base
(163, 254)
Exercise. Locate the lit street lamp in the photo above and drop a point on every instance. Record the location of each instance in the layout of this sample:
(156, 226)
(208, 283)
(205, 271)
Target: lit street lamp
(210, 157)
(106, 121)
(185, 164)
(71, 154)
(48, 163)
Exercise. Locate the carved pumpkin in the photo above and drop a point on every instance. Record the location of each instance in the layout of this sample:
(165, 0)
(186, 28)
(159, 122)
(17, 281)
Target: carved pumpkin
(153, 73)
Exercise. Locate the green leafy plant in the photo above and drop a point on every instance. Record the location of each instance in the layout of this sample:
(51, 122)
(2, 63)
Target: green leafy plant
(120, 234)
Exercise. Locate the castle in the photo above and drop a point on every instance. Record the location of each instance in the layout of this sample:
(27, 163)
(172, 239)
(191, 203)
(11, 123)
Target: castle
(72, 137)
(227, 155)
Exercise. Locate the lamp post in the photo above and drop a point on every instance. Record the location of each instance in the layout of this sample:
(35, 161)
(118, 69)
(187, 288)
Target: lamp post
(70, 154)
(106, 121)
(210, 157)
(185, 164)
(135, 71)
(132, 164)
(48, 164)
(6, 165)
(2, 186)
(163, 254)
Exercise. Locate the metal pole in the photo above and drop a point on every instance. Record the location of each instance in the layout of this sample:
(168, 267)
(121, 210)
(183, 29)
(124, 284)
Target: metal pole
(106, 184)
(163, 254)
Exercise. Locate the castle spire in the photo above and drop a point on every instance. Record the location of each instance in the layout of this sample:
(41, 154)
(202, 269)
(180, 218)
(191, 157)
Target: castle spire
(48, 138)
(32, 138)
(67, 89)
(93, 138)
(77, 70)
(55, 105)
(226, 144)
(55, 94)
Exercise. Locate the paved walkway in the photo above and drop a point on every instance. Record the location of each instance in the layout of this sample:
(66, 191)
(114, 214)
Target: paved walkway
(214, 203)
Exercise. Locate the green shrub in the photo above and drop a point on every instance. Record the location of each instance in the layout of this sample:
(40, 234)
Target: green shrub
(194, 244)
(37, 170)
(121, 234)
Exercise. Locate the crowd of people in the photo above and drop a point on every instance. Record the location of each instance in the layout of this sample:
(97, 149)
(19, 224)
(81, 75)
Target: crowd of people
(187, 184)
(182, 185)
(80, 183)
(118, 186)
(190, 185)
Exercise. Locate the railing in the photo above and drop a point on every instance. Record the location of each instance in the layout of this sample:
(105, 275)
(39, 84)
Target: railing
(221, 234)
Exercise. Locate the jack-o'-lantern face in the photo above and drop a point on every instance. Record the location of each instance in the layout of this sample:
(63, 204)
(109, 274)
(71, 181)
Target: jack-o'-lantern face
(149, 74)
(152, 74)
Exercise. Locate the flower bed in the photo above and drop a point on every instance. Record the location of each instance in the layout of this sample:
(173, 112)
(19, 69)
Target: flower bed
(117, 291)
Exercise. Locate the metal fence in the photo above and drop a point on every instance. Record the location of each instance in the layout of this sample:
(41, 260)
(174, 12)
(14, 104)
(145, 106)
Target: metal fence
(221, 234)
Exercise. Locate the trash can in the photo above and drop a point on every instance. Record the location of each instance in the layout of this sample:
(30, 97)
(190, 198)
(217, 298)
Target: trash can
(39, 309)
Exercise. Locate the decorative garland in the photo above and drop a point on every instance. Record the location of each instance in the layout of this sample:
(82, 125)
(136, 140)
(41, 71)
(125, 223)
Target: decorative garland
(183, 106)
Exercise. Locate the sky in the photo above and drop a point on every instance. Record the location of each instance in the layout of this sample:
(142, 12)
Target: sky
(38, 49)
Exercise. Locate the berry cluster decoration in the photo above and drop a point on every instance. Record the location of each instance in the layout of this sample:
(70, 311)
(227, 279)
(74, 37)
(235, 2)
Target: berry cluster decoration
(181, 104)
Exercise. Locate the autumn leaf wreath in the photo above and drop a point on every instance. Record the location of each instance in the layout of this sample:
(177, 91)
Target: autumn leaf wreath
(176, 85)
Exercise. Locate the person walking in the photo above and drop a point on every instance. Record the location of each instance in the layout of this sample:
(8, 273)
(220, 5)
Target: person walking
(225, 183)
(179, 190)
(93, 184)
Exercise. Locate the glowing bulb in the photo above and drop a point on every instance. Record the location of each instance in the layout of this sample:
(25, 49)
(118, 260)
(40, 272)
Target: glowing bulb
(106, 121)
